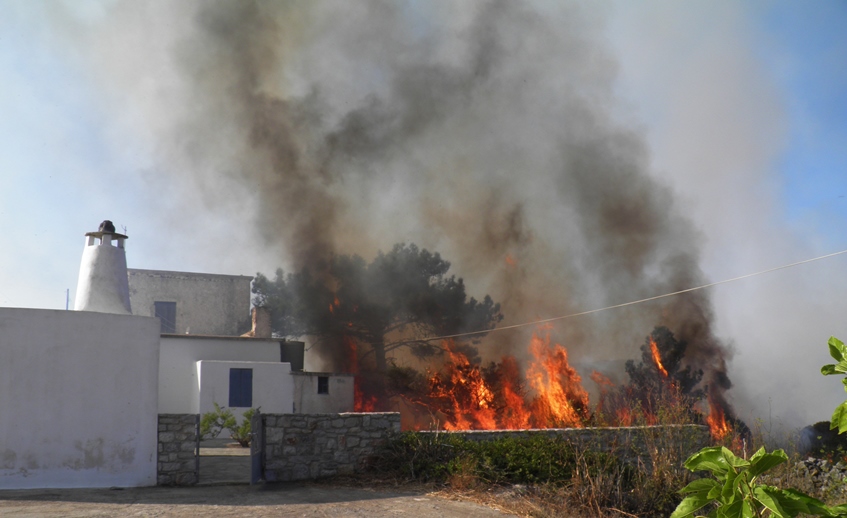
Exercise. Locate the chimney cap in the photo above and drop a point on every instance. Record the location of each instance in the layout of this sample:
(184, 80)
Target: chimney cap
(106, 227)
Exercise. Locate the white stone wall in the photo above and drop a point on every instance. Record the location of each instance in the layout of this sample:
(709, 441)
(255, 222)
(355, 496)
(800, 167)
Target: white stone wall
(179, 388)
(78, 399)
(206, 304)
(340, 398)
(273, 388)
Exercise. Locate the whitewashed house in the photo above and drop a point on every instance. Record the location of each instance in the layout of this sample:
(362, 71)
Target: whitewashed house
(80, 391)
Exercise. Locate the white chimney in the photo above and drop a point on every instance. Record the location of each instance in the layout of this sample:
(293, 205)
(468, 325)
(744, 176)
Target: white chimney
(103, 286)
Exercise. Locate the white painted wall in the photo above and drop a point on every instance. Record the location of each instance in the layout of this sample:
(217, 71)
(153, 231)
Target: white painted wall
(307, 400)
(273, 386)
(179, 387)
(78, 399)
(102, 285)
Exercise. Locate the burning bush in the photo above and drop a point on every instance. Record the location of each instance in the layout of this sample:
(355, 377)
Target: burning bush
(460, 394)
(357, 312)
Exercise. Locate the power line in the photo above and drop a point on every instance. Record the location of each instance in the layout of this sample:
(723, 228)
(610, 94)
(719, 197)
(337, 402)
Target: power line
(582, 313)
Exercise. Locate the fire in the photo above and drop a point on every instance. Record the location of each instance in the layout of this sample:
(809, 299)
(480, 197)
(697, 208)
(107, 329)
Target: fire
(511, 262)
(545, 391)
(561, 400)
(717, 420)
(334, 304)
(468, 397)
(466, 400)
(361, 401)
(657, 358)
(515, 415)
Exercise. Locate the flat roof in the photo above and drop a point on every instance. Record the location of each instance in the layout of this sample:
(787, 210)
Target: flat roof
(221, 337)
(167, 273)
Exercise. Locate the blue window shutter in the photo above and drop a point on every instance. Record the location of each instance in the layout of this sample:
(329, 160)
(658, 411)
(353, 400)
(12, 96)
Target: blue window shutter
(247, 387)
(241, 388)
(234, 387)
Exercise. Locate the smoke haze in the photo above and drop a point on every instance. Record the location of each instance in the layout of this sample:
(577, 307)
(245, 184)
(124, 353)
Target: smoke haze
(491, 132)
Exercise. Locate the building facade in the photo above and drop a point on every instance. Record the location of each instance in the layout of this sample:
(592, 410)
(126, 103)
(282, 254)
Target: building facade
(192, 303)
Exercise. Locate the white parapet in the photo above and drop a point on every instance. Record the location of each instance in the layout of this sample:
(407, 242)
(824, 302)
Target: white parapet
(103, 286)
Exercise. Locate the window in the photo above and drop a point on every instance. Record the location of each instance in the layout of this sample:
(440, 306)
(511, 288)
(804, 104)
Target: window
(241, 388)
(166, 313)
(323, 384)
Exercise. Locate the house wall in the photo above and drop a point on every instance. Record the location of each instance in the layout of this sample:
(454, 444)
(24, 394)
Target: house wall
(206, 304)
(179, 387)
(307, 400)
(78, 398)
(273, 388)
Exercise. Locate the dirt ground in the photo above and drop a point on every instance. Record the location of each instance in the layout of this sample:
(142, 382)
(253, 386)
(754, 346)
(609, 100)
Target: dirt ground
(283, 499)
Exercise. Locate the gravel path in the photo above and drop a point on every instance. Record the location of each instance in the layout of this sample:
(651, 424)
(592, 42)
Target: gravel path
(287, 499)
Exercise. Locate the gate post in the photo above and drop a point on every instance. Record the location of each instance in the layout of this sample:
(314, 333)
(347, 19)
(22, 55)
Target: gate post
(257, 448)
(197, 448)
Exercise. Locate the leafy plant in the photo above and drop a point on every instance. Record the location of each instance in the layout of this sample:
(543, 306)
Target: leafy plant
(838, 351)
(735, 492)
(213, 423)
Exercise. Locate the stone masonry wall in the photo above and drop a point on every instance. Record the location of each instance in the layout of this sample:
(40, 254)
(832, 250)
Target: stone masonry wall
(177, 459)
(309, 446)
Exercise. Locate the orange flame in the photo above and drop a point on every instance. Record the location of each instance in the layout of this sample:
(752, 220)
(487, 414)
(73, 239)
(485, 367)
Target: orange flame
(561, 400)
(361, 402)
(334, 304)
(468, 397)
(657, 358)
(462, 396)
(717, 421)
(515, 415)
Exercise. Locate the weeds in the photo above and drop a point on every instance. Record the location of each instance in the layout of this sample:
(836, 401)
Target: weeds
(547, 475)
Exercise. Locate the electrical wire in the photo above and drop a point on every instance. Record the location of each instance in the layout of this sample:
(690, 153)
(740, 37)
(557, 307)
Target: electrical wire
(631, 303)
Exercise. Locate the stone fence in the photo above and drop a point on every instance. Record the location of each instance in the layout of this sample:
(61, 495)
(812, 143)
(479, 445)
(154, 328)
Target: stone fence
(309, 446)
(178, 459)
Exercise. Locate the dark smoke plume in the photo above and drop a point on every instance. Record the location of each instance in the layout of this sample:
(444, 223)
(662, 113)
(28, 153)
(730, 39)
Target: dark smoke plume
(484, 130)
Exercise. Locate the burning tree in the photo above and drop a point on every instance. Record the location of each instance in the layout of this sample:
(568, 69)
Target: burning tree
(661, 381)
(358, 312)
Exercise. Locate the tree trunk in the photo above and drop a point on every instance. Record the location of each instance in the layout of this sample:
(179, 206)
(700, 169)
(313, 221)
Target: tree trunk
(379, 355)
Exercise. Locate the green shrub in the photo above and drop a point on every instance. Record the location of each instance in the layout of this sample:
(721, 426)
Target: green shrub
(516, 460)
(213, 423)
(735, 490)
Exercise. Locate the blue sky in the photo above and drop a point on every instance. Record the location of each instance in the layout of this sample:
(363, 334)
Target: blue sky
(805, 53)
(744, 106)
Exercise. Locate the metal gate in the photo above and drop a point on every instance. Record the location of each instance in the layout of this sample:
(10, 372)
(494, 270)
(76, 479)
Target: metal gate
(257, 448)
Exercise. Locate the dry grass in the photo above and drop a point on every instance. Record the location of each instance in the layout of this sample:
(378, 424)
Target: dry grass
(593, 485)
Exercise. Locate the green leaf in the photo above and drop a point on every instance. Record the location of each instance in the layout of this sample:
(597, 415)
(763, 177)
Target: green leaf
(730, 486)
(690, 505)
(839, 418)
(739, 509)
(769, 498)
(710, 459)
(761, 463)
(703, 485)
(732, 459)
(837, 349)
(806, 504)
(829, 369)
